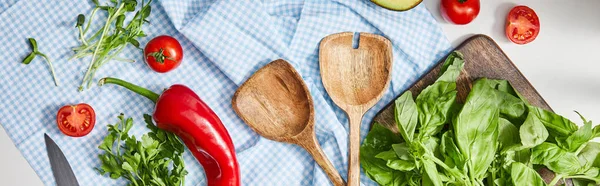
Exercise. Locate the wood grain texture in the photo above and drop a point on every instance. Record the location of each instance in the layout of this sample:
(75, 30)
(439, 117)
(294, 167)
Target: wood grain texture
(355, 79)
(276, 104)
(483, 58)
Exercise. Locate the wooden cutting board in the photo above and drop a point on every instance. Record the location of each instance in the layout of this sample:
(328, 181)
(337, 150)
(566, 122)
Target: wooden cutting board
(483, 58)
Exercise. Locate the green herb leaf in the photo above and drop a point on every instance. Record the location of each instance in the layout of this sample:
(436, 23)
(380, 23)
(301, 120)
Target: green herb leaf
(450, 151)
(406, 115)
(578, 138)
(546, 153)
(29, 58)
(532, 132)
(80, 20)
(452, 67)
(435, 105)
(141, 162)
(401, 165)
(557, 125)
(508, 134)
(431, 176)
(590, 155)
(378, 140)
(523, 175)
(476, 128)
(387, 155)
(566, 164)
(33, 44)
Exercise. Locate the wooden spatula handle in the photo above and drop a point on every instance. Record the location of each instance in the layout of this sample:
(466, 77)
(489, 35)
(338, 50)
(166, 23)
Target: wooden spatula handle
(311, 145)
(354, 150)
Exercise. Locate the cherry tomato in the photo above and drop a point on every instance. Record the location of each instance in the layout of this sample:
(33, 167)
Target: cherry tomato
(522, 25)
(163, 53)
(76, 120)
(460, 12)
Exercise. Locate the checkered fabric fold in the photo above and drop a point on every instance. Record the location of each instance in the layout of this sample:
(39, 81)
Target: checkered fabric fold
(224, 43)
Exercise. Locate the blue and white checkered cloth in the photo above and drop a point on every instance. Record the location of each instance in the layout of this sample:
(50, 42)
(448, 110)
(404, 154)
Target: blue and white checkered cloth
(224, 42)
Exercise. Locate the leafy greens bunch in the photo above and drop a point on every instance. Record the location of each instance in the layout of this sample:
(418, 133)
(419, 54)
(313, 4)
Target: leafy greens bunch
(157, 160)
(107, 42)
(494, 138)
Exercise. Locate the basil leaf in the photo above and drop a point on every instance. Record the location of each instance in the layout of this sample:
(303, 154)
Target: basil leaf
(524, 175)
(532, 132)
(590, 155)
(450, 151)
(378, 140)
(402, 151)
(452, 67)
(430, 176)
(566, 164)
(508, 134)
(406, 116)
(546, 153)
(476, 128)
(387, 155)
(401, 165)
(578, 138)
(435, 104)
(557, 125)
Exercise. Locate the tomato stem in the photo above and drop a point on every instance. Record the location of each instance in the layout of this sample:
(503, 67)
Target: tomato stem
(462, 1)
(160, 56)
(137, 89)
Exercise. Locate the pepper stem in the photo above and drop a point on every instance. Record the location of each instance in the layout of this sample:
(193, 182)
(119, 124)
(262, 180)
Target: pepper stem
(137, 89)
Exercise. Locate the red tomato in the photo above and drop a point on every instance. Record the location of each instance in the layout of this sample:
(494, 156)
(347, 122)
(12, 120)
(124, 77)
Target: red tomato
(163, 53)
(460, 12)
(76, 120)
(522, 25)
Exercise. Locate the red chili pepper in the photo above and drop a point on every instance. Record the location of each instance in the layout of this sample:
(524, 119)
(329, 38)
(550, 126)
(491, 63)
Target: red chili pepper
(179, 110)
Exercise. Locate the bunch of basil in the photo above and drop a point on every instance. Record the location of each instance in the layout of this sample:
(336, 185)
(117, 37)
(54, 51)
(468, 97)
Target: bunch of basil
(495, 138)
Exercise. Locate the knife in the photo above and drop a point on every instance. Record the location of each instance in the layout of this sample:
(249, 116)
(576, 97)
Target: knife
(63, 174)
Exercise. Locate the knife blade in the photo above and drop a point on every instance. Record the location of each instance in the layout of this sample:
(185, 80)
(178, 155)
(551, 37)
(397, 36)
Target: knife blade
(63, 174)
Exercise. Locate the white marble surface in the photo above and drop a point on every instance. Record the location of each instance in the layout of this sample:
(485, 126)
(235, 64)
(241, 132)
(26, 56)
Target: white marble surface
(562, 63)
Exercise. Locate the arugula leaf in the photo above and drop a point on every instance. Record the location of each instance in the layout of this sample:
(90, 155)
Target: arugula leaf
(532, 132)
(406, 116)
(524, 175)
(145, 162)
(476, 129)
(378, 140)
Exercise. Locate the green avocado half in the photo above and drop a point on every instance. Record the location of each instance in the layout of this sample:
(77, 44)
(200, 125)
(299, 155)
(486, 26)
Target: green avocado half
(397, 5)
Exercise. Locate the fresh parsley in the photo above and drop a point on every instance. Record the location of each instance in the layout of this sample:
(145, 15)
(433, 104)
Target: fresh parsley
(157, 160)
(107, 42)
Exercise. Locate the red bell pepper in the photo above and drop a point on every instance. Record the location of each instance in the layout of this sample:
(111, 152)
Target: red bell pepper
(179, 110)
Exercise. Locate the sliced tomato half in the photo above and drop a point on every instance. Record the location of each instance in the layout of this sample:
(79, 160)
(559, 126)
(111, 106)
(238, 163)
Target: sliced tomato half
(522, 25)
(76, 120)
